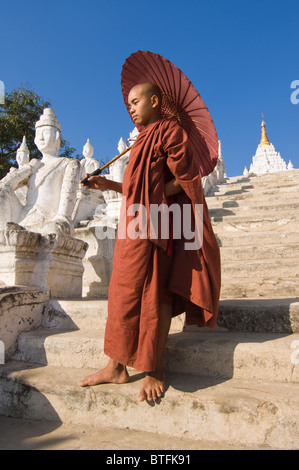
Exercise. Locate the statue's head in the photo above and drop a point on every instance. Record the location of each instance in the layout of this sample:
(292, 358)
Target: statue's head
(47, 133)
(23, 153)
(88, 150)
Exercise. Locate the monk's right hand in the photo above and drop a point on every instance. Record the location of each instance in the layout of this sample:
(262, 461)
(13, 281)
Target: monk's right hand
(95, 182)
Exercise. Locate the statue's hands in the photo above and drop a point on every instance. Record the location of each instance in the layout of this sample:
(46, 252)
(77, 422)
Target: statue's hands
(96, 182)
(64, 224)
(60, 224)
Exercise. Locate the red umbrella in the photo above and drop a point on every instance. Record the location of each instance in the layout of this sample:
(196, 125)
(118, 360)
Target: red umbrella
(180, 101)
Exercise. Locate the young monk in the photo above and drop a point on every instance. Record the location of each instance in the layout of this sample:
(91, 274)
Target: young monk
(154, 279)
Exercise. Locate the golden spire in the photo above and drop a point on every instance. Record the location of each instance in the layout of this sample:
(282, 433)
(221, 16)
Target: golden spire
(264, 139)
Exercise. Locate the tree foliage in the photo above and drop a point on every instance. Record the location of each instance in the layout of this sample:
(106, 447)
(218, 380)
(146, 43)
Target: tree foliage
(18, 115)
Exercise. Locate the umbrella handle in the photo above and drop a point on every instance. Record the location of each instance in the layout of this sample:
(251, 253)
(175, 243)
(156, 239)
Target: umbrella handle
(99, 170)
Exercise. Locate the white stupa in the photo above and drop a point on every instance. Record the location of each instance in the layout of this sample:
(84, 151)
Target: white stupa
(266, 159)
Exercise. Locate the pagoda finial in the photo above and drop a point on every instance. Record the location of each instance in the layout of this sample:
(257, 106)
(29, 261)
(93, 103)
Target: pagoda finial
(264, 138)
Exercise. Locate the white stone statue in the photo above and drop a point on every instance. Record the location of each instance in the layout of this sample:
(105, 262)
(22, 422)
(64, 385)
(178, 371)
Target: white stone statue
(23, 154)
(88, 164)
(22, 158)
(116, 173)
(133, 135)
(87, 200)
(217, 176)
(36, 248)
(118, 168)
(51, 183)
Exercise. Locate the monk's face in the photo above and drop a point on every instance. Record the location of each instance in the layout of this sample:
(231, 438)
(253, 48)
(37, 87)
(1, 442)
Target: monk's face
(144, 108)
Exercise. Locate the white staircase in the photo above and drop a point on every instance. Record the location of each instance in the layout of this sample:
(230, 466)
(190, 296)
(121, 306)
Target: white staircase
(233, 387)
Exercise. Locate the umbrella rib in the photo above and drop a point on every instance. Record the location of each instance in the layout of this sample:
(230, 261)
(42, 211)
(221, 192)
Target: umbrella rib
(199, 108)
(199, 141)
(157, 79)
(186, 93)
(139, 71)
(192, 101)
(207, 138)
(195, 112)
(170, 91)
(205, 121)
(206, 130)
(142, 72)
(165, 84)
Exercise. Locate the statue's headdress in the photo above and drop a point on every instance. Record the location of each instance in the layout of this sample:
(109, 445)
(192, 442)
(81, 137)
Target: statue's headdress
(48, 118)
(23, 147)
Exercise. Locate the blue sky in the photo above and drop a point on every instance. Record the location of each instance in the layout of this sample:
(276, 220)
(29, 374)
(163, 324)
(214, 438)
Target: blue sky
(242, 57)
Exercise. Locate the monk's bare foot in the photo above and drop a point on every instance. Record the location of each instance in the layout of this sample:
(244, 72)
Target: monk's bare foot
(153, 387)
(112, 373)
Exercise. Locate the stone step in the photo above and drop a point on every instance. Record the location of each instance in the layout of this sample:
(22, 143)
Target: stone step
(276, 269)
(235, 199)
(261, 356)
(262, 182)
(258, 287)
(28, 434)
(233, 411)
(250, 192)
(259, 252)
(269, 205)
(75, 314)
(239, 354)
(236, 238)
(260, 315)
(85, 314)
(259, 221)
(267, 315)
(261, 208)
(255, 224)
(255, 213)
(274, 195)
(76, 348)
(255, 217)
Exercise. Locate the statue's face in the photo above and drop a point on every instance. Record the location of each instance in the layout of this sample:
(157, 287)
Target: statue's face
(47, 140)
(22, 158)
(87, 151)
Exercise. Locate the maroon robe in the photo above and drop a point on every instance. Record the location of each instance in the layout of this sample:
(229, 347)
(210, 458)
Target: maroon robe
(160, 153)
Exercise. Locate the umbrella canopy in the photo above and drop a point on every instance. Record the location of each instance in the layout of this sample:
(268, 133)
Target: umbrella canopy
(180, 101)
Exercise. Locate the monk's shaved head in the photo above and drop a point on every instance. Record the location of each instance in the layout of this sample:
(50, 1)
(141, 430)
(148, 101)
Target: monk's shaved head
(149, 89)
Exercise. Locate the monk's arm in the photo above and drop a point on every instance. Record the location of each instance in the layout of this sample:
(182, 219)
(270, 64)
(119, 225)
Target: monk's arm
(115, 186)
(101, 183)
(172, 187)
